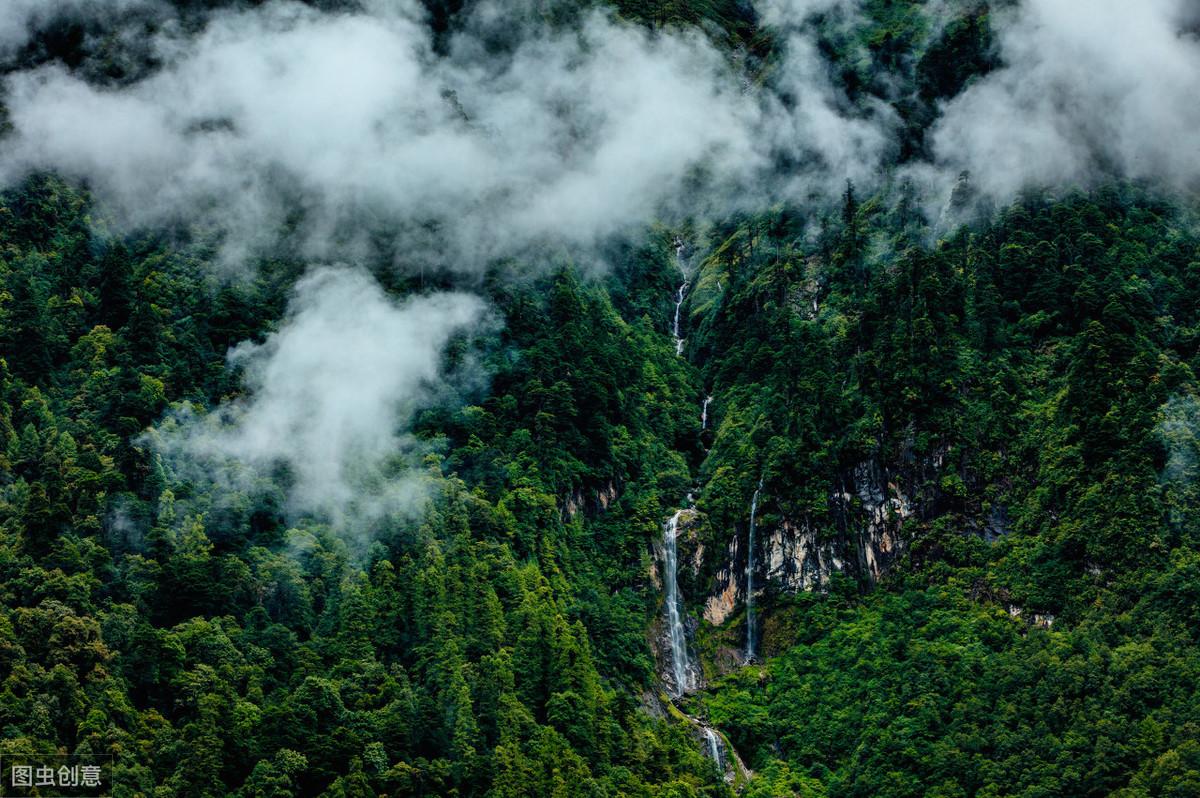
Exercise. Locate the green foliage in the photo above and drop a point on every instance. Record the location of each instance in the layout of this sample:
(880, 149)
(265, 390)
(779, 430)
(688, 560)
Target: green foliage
(1030, 386)
(1028, 383)
(495, 647)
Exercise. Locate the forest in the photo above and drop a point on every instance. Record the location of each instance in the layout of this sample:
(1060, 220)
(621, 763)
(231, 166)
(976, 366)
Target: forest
(565, 398)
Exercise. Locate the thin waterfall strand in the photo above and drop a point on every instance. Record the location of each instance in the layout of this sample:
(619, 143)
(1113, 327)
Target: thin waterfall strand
(714, 746)
(750, 576)
(683, 673)
(680, 295)
(681, 666)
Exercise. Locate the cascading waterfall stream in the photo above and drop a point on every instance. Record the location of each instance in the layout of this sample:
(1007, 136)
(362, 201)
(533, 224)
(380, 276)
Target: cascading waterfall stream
(750, 575)
(715, 746)
(685, 674)
(682, 670)
(680, 295)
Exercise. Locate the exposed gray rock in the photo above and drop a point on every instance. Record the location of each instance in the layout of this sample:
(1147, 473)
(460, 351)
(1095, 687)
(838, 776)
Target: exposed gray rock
(867, 509)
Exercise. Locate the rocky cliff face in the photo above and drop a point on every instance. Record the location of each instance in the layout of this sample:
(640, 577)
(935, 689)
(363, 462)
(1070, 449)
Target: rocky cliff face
(728, 587)
(860, 536)
(792, 555)
(596, 502)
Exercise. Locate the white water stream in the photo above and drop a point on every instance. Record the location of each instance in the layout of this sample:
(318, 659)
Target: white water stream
(685, 674)
(680, 295)
(750, 575)
(682, 669)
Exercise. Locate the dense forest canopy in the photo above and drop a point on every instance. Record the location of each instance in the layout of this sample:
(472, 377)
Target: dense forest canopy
(569, 398)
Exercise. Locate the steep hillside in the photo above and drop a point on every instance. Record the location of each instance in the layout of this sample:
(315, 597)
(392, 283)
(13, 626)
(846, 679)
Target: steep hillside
(571, 398)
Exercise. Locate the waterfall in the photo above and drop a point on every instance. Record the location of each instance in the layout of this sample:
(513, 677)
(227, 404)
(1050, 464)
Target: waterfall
(684, 674)
(680, 295)
(715, 746)
(750, 575)
(681, 667)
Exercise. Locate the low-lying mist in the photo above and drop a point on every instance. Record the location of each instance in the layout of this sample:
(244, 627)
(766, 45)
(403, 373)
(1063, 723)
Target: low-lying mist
(517, 134)
(329, 398)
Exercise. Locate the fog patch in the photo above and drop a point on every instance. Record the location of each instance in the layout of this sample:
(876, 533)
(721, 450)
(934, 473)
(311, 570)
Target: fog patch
(347, 121)
(328, 404)
(1090, 89)
(1179, 432)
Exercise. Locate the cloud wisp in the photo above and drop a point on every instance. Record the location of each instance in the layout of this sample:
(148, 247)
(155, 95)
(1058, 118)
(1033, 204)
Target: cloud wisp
(329, 401)
(1089, 88)
(352, 118)
(332, 128)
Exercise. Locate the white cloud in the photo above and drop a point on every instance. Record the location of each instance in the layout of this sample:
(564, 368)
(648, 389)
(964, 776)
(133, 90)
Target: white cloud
(1090, 87)
(571, 136)
(835, 141)
(330, 395)
(559, 135)
(522, 134)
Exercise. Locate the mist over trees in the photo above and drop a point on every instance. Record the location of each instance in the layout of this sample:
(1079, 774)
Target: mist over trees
(354, 355)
